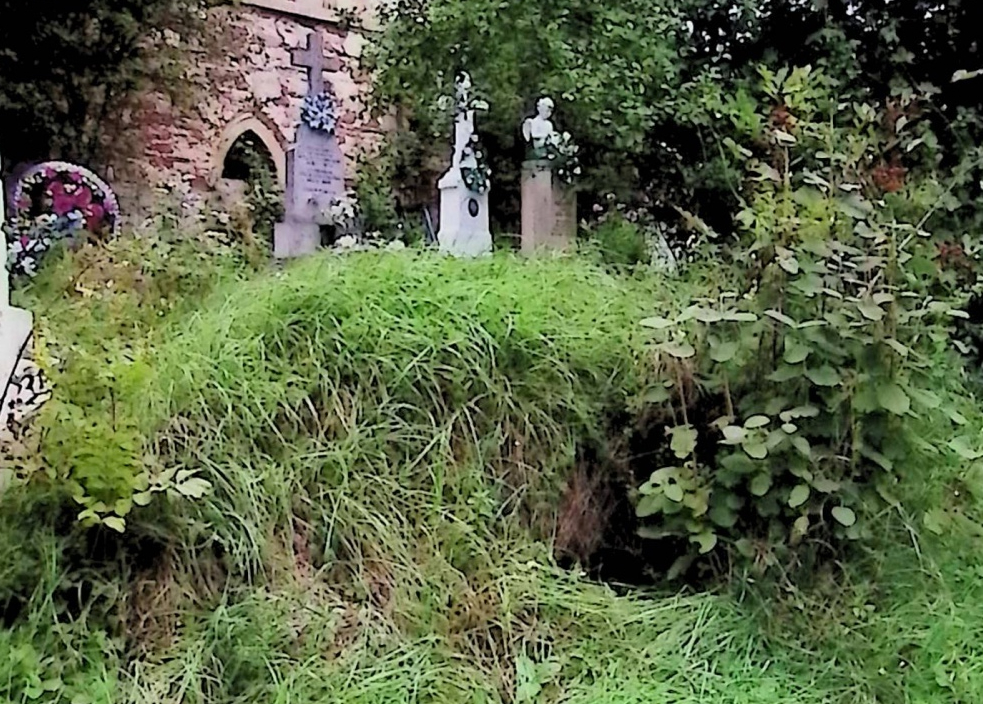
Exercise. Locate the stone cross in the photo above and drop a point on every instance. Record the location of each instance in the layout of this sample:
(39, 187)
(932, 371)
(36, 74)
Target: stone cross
(312, 58)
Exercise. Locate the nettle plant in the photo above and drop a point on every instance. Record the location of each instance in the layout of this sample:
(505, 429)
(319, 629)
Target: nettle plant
(791, 394)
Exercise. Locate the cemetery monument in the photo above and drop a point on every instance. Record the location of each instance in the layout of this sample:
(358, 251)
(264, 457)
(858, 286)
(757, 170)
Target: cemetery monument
(464, 230)
(549, 205)
(315, 164)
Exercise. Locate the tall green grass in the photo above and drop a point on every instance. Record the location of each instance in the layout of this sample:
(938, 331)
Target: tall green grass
(387, 438)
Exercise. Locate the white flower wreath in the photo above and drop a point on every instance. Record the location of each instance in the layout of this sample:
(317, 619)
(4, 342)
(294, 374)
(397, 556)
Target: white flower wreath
(320, 112)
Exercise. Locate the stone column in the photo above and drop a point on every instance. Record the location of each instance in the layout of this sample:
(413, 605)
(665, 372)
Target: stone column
(549, 210)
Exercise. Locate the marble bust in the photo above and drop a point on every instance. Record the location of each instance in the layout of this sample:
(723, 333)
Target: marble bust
(538, 130)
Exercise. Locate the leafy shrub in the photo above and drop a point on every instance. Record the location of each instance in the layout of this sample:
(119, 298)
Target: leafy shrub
(621, 244)
(791, 395)
(100, 309)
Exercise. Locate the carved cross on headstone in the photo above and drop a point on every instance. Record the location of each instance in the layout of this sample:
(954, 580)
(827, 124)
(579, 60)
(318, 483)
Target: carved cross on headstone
(312, 58)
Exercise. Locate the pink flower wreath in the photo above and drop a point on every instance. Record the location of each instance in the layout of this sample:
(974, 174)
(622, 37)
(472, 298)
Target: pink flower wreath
(57, 201)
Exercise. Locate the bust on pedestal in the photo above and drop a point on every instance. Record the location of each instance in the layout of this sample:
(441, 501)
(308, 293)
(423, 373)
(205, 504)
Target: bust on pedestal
(15, 323)
(549, 207)
(464, 230)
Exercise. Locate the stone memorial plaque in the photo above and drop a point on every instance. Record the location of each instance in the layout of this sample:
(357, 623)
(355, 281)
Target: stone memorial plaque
(316, 173)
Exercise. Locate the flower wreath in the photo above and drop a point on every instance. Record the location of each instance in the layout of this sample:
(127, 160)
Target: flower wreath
(320, 112)
(563, 153)
(56, 201)
(477, 177)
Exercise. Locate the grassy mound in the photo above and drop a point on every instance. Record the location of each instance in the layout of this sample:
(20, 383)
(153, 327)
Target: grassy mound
(387, 439)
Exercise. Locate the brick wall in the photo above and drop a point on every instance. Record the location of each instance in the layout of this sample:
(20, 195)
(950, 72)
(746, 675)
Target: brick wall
(244, 78)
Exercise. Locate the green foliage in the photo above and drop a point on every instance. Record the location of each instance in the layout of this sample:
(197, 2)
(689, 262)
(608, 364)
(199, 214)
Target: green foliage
(622, 244)
(69, 67)
(265, 197)
(609, 65)
(806, 377)
(101, 306)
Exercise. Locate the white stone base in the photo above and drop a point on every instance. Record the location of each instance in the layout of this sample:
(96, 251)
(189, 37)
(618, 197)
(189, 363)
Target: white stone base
(464, 228)
(295, 239)
(15, 330)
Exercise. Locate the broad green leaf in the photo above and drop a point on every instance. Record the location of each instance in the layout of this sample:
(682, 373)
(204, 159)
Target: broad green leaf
(723, 352)
(799, 496)
(674, 493)
(790, 428)
(680, 350)
(657, 323)
(194, 488)
(723, 516)
(878, 458)
(755, 422)
(795, 353)
(115, 523)
(892, 398)
(963, 446)
(657, 394)
(733, 435)
(955, 416)
(789, 264)
(800, 412)
(925, 398)
(680, 566)
(825, 486)
(781, 317)
(706, 540)
(935, 520)
(785, 372)
(653, 533)
(870, 310)
(738, 317)
(705, 315)
(854, 206)
(823, 376)
(143, 498)
(755, 449)
(845, 516)
(802, 445)
(897, 347)
(683, 440)
(649, 506)
(800, 527)
(761, 484)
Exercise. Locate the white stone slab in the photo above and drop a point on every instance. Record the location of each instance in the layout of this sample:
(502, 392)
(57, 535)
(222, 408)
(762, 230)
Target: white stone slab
(15, 330)
(464, 230)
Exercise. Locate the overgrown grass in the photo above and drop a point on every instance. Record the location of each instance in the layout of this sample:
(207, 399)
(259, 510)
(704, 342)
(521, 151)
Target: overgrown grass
(387, 438)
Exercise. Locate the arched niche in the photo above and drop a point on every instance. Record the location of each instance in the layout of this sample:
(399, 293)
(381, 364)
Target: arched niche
(245, 126)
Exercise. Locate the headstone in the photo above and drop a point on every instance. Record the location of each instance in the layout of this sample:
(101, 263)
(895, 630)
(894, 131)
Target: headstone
(15, 323)
(549, 207)
(464, 230)
(315, 164)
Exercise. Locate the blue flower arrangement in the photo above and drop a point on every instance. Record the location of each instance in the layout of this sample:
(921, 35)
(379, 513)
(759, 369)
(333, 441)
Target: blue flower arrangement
(320, 112)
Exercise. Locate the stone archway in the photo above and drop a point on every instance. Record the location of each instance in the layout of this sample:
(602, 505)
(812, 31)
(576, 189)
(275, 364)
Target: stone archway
(231, 134)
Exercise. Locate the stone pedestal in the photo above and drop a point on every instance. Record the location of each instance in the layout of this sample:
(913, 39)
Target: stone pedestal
(549, 210)
(464, 230)
(294, 238)
(15, 330)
